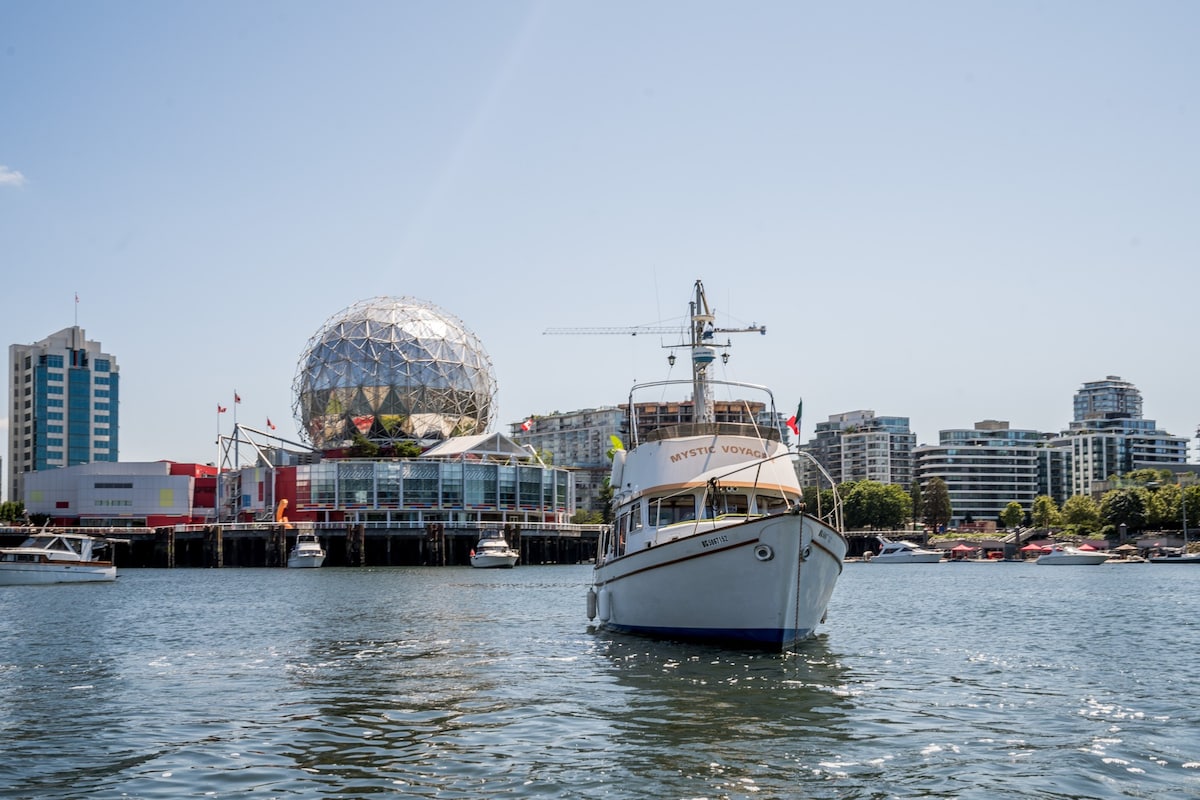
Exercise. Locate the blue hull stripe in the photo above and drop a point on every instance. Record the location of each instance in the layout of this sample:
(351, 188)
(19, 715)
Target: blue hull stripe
(748, 637)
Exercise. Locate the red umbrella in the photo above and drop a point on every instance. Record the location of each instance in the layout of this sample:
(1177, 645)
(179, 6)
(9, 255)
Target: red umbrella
(1086, 546)
(961, 548)
(1029, 548)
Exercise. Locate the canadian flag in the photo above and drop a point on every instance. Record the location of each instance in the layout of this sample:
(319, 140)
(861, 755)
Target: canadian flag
(527, 424)
(270, 424)
(220, 408)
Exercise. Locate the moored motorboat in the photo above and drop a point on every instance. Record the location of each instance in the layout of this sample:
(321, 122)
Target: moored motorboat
(1176, 556)
(1065, 554)
(50, 556)
(904, 552)
(306, 553)
(710, 539)
(493, 551)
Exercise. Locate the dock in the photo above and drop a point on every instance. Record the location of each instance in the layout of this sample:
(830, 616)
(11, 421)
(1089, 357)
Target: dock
(361, 544)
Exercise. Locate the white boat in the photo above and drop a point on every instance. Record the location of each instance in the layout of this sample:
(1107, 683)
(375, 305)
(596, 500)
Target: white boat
(57, 557)
(493, 551)
(1066, 554)
(306, 553)
(904, 552)
(1177, 556)
(710, 539)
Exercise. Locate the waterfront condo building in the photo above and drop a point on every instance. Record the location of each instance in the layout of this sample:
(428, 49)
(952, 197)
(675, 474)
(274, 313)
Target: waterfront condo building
(1110, 437)
(984, 468)
(64, 394)
(859, 446)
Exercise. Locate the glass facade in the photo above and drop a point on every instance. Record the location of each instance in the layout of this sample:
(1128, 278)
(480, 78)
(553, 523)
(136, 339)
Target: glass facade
(414, 490)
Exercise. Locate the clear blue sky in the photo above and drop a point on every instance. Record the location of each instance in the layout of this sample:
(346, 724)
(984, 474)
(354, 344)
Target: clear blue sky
(950, 211)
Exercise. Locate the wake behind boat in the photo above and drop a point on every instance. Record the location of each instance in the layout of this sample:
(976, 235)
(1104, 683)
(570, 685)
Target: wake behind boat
(710, 540)
(57, 557)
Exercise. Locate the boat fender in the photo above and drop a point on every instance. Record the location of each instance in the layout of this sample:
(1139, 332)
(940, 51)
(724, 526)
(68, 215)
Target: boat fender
(602, 605)
(591, 603)
(763, 552)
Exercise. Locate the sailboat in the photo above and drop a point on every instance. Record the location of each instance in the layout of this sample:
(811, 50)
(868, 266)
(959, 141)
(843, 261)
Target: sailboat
(711, 540)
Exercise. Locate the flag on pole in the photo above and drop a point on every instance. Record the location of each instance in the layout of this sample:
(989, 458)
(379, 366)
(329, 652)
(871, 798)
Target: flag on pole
(270, 424)
(794, 422)
(236, 397)
(527, 424)
(220, 408)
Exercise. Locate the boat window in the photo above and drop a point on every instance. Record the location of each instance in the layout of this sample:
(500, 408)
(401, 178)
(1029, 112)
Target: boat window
(675, 509)
(622, 532)
(730, 503)
(769, 504)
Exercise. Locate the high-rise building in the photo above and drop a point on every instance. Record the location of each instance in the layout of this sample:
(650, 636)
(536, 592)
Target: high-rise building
(859, 446)
(64, 397)
(984, 468)
(1110, 437)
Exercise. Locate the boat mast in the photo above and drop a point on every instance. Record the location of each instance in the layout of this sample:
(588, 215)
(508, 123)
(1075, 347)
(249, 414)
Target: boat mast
(704, 352)
(702, 355)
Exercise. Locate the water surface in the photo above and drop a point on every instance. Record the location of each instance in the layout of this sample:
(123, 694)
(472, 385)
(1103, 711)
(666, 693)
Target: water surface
(941, 680)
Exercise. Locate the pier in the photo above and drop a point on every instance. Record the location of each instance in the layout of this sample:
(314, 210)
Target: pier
(347, 544)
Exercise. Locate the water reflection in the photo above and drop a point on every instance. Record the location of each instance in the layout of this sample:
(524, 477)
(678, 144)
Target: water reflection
(702, 720)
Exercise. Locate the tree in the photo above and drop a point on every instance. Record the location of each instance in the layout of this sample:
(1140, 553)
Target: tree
(1045, 512)
(936, 510)
(12, 511)
(1081, 514)
(407, 449)
(1125, 506)
(362, 447)
(870, 504)
(1162, 506)
(1012, 515)
(1191, 497)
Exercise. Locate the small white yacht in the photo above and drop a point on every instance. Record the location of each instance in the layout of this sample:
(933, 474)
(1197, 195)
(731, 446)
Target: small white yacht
(904, 552)
(1066, 554)
(50, 556)
(307, 553)
(493, 551)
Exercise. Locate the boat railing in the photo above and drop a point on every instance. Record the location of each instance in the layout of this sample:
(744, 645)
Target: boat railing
(703, 428)
(834, 515)
(682, 429)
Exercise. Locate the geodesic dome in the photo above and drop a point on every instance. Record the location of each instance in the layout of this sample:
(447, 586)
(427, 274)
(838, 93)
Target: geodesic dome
(392, 369)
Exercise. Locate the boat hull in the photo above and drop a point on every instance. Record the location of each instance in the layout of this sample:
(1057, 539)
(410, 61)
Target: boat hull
(762, 584)
(305, 561)
(1073, 560)
(1190, 558)
(908, 558)
(493, 562)
(36, 574)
